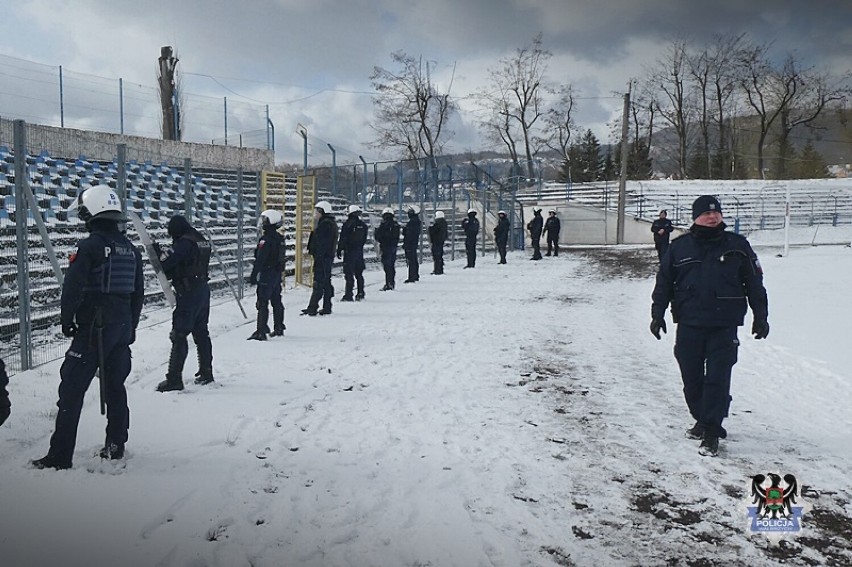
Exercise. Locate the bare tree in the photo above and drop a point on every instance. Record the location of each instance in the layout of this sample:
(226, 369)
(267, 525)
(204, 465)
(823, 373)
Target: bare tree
(723, 59)
(168, 83)
(812, 92)
(559, 122)
(676, 105)
(515, 98)
(411, 113)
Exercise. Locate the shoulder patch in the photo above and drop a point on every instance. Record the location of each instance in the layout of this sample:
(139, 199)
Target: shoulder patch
(72, 257)
(261, 243)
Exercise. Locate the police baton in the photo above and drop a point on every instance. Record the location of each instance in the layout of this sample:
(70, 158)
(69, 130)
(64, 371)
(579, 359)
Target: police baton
(99, 330)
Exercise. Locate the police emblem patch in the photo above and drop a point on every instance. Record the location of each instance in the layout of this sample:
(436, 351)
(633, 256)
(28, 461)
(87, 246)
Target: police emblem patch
(776, 505)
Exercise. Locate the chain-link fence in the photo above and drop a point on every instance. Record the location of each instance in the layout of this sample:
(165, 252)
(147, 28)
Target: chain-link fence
(42, 170)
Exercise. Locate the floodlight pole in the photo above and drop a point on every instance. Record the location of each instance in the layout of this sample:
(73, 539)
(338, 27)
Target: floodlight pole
(303, 132)
(333, 169)
(622, 180)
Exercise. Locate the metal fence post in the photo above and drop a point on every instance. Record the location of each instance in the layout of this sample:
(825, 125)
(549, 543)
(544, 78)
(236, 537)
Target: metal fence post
(187, 187)
(240, 254)
(24, 320)
(121, 174)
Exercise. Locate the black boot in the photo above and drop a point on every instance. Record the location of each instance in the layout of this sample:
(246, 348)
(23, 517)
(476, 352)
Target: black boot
(50, 462)
(359, 296)
(257, 336)
(170, 385)
(112, 451)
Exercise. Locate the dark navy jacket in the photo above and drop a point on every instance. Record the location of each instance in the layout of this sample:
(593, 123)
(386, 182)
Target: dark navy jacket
(501, 231)
(709, 281)
(411, 232)
(438, 232)
(187, 262)
(269, 258)
(534, 226)
(552, 226)
(106, 272)
(322, 242)
(470, 226)
(667, 227)
(353, 235)
(387, 233)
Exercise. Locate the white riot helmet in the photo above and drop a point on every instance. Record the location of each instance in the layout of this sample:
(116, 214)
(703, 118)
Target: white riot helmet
(270, 217)
(536, 209)
(354, 209)
(98, 202)
(439, 215)
(552, 211)
(501, 213)
(414, 209)
(324, 206)
(387, 211)
(469, 211)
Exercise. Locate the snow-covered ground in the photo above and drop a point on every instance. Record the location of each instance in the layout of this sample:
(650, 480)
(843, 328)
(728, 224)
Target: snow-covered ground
(507, 415)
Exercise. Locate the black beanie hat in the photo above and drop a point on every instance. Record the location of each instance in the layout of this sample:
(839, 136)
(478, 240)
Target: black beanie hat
(705, 203)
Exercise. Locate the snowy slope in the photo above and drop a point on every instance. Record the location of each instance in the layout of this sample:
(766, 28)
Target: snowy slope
(506, 415)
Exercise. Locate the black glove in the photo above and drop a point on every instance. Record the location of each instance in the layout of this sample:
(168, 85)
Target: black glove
(658, 325)
(4, 413)
(760, 329)
(157, 250)
(69, 329)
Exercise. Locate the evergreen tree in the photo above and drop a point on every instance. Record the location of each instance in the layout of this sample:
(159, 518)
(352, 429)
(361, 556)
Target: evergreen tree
(811, 164)
(588, 165)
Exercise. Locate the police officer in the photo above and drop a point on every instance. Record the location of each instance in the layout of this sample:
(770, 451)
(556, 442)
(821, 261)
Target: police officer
(662, 228)
(387, 235)
(470, 227)
(5, 405)
(501, 235)
(535, 226)
(102, 299)
(269, 259)
(709, 277)
(186, 263)
(410, 243)
(551, 230)
(322, 245)
(437, 236)
(350, 247)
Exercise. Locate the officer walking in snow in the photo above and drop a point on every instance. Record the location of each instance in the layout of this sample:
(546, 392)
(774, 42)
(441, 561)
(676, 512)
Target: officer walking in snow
(350, 247)
(269, 259)
(437, 236)
(709, 277)
(501, 235)
(5, 405)
(551, 230)
(186, 264)
(102, 297)
(535, 226)
(387, 235)
(322, 244)
(662, 228)
(410, 243)
(470, 227)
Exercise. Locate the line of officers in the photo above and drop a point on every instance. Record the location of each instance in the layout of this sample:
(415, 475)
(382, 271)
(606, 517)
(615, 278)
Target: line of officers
(103, 293)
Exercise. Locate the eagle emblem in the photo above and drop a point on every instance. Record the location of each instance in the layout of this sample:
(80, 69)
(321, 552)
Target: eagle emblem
(773, 503)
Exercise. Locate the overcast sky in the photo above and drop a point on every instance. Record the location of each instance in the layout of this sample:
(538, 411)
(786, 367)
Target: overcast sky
(310, 60)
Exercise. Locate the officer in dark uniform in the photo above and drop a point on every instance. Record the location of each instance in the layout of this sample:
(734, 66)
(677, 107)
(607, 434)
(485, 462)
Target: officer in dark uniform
(322, 245)
(387, 235)
(437, 236)
(709, 277)
(470, 227)
(551, 230)
(186, 263)
(350, 247)
(501, 235)
(410, 243)
(5, 405)
(269, 259)
(535, 226)
(662, 228)
(102, 299)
